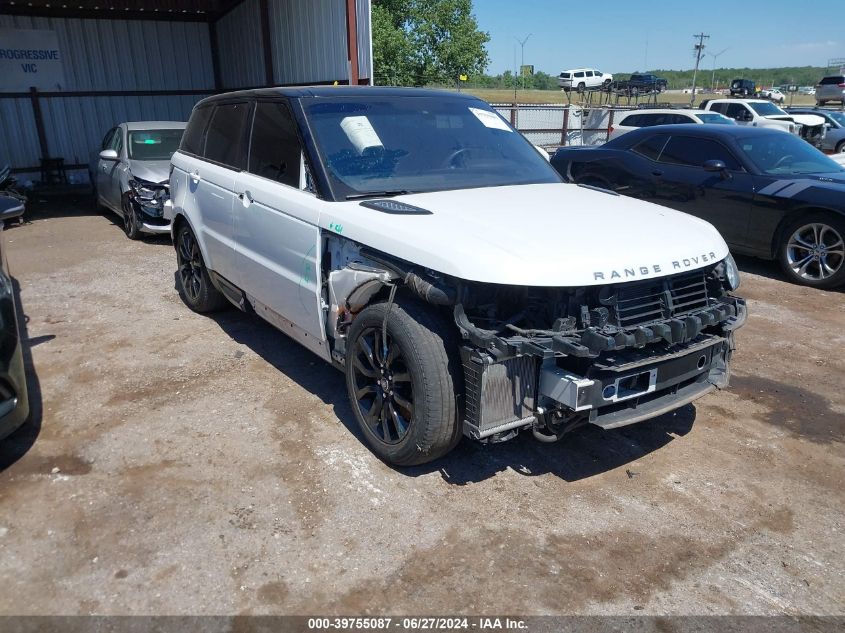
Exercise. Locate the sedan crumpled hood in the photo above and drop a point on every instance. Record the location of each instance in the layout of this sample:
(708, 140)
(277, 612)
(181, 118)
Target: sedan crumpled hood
(809, 120)
(534, 235)
(157, 171)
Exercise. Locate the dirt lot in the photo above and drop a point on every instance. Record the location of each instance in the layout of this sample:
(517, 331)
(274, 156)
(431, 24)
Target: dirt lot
(183, 464)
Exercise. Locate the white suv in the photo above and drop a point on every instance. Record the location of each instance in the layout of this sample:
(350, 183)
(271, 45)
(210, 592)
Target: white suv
(636, 119)
(420, 244)
(763, 113)
(581, 79)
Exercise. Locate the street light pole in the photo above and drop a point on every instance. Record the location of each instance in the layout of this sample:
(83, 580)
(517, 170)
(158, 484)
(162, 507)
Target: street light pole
(522, 62)
(715, 56)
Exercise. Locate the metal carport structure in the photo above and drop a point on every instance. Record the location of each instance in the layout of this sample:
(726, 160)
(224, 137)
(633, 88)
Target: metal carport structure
(154, 59)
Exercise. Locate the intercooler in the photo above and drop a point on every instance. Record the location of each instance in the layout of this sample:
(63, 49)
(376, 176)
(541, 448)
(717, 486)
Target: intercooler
(499, 394)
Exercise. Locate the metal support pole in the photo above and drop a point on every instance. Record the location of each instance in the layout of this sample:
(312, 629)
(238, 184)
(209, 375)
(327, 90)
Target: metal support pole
(39, 122)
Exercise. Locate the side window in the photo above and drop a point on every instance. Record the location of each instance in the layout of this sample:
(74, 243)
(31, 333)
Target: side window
(680, 118)
(694, 152)
(633, 120)
(192, 139)
(275, 151)
(579, 75)
(647, 120)
(721, 108)
(737, 111)
(651, 147)
(107, 139)
(589, 73)
(226, 139)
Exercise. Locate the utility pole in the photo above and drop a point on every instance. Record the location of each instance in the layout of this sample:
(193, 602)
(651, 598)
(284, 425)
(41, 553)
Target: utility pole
(699, 53)
(522, 63)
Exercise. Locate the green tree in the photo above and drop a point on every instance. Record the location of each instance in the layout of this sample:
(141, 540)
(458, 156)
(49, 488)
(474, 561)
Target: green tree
(418, 42)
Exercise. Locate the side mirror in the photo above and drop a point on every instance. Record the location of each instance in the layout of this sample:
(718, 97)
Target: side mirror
(109, 154)
(717, 166)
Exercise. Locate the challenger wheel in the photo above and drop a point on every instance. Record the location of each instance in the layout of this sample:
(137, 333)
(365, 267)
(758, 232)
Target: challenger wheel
(402, 387)
(194, 284)
(812, 251)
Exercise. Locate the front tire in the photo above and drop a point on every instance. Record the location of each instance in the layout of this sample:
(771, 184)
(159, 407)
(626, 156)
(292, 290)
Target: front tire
(812, 251)
(131, 223)
(840, 149)
(193, 281)
(405, 400)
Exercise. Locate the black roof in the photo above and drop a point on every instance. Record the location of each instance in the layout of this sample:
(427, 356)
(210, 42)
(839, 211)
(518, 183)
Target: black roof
(305, 92)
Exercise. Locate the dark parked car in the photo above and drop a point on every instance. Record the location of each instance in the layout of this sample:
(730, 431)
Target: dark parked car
(14, 402)
(770, 194)
(641, 83)
(743, 88)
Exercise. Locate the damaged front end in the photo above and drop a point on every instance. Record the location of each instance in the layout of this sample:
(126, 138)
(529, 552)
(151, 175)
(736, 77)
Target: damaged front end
(148, 200)
(553, 359)
(556, 358)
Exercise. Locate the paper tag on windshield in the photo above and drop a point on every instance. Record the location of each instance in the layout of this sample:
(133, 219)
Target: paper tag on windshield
(360, 133)
(490, 119)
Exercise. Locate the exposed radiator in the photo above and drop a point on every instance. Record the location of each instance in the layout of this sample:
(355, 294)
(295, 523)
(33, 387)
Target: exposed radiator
(499, 395)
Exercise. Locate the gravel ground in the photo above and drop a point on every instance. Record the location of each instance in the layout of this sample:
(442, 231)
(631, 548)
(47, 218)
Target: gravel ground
(179, 464)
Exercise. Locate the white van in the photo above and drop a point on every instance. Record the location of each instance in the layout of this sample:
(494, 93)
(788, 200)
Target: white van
(636, 119)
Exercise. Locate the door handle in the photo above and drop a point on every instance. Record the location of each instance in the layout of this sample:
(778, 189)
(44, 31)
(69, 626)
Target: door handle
(195, 177)
(657, 172)
(246, 198)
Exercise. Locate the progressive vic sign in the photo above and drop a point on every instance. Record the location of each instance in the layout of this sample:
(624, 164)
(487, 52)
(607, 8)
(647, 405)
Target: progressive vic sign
(30, 58)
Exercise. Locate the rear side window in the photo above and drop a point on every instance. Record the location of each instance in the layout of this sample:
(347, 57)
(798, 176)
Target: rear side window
(835, 80)
(275, 151)
(651, 147)
(694, 152)
(192, 139)
(579, 74)
(633, 120)
(565, 75)
(225, 141)
(719, 107)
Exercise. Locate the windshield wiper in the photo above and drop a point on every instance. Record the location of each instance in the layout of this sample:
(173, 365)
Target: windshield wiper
(378, 194)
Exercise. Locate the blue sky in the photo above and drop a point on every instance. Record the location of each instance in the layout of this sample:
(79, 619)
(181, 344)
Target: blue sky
(611, 34)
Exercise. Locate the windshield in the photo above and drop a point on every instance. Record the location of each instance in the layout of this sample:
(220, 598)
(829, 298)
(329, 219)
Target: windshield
(839, 117)
(781, 153)
(764, 108)
(713, 117)
(153, 144)
(417, 144)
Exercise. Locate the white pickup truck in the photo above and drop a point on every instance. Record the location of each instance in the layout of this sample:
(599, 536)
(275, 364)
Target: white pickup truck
(763, 113)
(420, 244)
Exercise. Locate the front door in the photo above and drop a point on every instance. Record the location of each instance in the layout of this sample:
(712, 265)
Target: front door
(722, 198)
(277, 232)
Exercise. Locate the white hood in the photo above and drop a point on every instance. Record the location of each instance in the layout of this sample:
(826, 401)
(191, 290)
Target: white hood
(809, 120)
(534, 235)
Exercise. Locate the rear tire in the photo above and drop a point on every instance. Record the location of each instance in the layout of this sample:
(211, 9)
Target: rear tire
(581, 87)
(193, 281)
(811, 251)
(840, 149)
(406, 403)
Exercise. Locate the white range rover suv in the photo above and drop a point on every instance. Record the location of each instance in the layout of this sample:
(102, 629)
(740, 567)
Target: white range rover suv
(416, 241)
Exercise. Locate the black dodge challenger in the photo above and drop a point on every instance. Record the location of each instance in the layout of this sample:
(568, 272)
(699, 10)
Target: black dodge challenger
(769, 193)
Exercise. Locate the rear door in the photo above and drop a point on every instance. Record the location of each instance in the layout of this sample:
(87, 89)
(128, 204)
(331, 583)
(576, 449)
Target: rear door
(276, 229)
(213, 182)
(724, 200)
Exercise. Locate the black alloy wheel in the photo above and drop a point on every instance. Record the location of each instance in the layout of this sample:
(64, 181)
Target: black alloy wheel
(383, 388)
(195, 286)
(131, 223)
